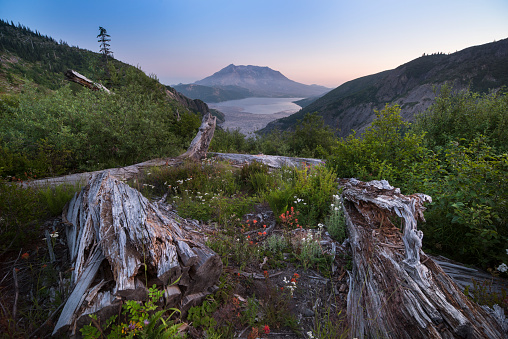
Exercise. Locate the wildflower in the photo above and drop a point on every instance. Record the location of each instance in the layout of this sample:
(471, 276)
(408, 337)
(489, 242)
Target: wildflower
(267, 329)
(502, 268)
(54, 234)
(251, 242)
(265, 273)
(260, 234)
(248, 237)
(264, 233)
(146, 322)
(44, 266)
(254, 221)
(311, 336)
(264, 226)
(25, 255)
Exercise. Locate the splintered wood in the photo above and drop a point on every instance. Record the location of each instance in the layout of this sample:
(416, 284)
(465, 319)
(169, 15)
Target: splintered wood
(396, 291)
(121, 244)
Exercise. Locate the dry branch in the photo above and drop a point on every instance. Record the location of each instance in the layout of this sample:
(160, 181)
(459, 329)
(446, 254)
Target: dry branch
(392, 293)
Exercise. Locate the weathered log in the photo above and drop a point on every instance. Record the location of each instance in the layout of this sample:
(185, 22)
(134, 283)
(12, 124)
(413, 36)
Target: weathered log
(84, 81)
(394, 294)
(138, 244)
(199, 145)
(273, 161)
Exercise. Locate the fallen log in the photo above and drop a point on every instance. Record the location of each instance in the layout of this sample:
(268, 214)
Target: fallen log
(396, 291)
(121, 244)
(74, 76)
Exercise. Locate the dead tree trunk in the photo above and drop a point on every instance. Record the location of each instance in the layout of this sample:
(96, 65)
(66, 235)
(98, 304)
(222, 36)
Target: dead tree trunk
(199, 145)
(84, 81)
(121, 244)
(396, 291)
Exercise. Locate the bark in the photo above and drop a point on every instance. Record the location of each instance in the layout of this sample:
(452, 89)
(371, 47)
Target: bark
(396, 291)
(121, 244)
(199, 145)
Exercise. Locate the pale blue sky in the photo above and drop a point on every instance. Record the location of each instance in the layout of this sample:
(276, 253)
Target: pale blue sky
(325, 42)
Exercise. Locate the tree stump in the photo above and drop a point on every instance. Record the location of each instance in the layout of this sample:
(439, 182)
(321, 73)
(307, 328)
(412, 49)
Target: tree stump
(121, 244)
(396, 291)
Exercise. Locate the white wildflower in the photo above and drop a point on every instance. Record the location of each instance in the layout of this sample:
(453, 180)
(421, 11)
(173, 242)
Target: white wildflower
(502, 268)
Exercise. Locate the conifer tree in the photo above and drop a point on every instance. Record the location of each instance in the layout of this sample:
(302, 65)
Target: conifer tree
(104, 37)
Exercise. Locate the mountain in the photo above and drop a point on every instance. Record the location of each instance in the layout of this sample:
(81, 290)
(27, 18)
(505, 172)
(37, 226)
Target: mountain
(213, 94)
(260, 82)
(412, 85)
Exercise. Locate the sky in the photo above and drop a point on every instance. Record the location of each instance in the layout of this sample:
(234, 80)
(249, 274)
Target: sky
(324, 42)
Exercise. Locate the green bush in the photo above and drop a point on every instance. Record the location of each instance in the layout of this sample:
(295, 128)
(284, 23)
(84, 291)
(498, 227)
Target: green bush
(388, 149)
(20, 210)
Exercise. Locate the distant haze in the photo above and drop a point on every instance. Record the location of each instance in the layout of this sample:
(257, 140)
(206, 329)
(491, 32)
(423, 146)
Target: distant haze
(324, 42)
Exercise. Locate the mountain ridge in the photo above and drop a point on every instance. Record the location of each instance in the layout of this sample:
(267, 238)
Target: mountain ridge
(411, 85)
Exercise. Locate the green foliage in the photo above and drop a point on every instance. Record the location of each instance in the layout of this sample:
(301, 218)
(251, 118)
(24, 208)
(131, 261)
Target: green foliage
(137, 320)
(312, 138)
(387, 150)
(250, 171)
(313, 190)
(54, 198)
(202, 315)
(482, 293)
(465, 115)
(20, 210)
(51, 134)
(468, 215)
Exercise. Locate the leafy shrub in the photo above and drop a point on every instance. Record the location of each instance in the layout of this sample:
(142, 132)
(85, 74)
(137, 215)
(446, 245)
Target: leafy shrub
(313, 190)
(20, 209)
(467, 218)
(139, 319)
(465, 115)
(53, 199)
(386, 150)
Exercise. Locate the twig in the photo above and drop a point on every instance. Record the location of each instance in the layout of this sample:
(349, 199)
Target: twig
(16, 293)
(50, 246)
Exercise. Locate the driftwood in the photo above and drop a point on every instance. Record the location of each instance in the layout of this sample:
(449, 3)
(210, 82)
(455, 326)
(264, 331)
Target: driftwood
(396, 291)
(121, 244)
(84, 81)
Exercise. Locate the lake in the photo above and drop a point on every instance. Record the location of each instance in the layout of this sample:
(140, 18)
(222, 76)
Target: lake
(258, 105)
(251, 114)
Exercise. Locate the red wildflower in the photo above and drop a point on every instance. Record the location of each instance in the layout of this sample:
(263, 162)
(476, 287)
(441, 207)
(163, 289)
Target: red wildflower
(264, 226)
(264, 233)
(260, 234)
(254, 221)
(267, 329)
(25, 255)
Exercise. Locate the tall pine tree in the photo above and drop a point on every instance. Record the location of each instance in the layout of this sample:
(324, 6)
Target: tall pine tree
(104, 38)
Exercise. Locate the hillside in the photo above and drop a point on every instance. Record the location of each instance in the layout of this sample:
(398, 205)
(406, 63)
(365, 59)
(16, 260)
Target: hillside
(351, 106)
(29, 56)
(259, 82)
